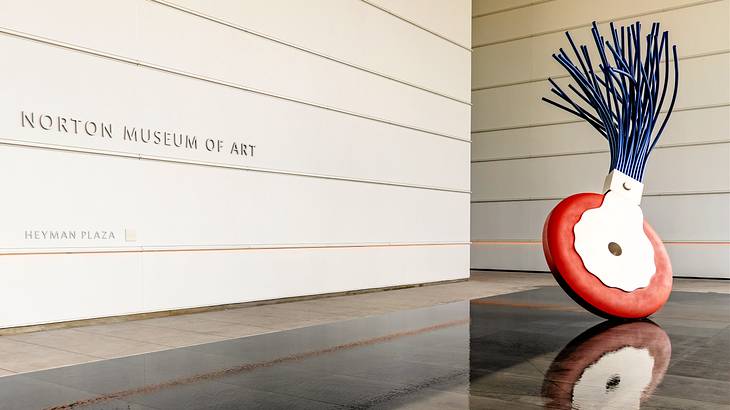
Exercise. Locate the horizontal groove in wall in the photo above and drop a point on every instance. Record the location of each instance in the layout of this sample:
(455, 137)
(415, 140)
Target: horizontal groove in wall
(630, 16)
(309, 51)
(524, 6)
(126, 60)
(226, 248)
(413, 23)
(23, 144)
(557, 198)
(488, 242)
(569, 154)
(547, 124)
(557, 77)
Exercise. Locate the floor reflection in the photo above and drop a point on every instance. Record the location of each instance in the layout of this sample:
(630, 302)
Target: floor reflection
(611, 365)
(524, 350)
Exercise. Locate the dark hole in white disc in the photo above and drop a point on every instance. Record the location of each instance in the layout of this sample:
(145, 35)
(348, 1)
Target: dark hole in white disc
(613, 381)
(614, 248)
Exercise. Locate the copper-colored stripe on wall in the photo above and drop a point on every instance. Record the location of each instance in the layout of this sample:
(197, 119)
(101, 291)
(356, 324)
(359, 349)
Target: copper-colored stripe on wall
(230, 248)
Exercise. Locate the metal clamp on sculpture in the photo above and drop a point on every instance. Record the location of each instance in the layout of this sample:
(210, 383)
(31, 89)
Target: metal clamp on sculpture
(599, 247)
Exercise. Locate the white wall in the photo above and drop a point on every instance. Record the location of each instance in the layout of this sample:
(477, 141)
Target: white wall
(527, 155)
(359, 112)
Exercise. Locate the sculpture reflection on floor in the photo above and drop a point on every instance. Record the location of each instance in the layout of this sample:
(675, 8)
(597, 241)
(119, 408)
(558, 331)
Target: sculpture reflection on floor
(611, 365)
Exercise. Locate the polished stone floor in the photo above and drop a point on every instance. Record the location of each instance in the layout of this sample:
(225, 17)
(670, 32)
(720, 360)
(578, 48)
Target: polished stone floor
(527, 349)
(46, 349)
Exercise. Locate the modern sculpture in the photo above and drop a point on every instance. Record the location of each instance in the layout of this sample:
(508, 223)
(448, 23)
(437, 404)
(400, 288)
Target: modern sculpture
(599, 247)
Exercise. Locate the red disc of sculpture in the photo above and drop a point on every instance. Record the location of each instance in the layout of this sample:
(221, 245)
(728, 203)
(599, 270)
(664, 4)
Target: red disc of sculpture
(584, 287)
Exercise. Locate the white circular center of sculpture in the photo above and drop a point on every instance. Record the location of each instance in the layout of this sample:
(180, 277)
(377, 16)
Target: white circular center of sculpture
(613, 246)
(617, 380)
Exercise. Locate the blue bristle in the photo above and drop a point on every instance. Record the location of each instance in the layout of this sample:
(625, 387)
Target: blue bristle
(624, 97)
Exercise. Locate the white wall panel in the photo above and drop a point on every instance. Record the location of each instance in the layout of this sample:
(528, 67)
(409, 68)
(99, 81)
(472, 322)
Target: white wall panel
(527, 257)
(688, 260)
(360, 35)
(669, 170)
(527, 155)
(696, 30)
(288, 136)
(704, 218)
(521, 105)
(79, 286)
(480, 7)
(279, 273)
(579, 137)
(560, 15)
(692, 169)
(53, 288)
(172, 205)
(109, 25)
(700, 260)
(190, 43)
(360, 176)
(509, 221)
(445, 18)
(696, 229)
(209, 49)
(689, 217)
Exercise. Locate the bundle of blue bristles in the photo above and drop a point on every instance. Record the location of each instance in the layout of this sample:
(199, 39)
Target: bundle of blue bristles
(625, 96)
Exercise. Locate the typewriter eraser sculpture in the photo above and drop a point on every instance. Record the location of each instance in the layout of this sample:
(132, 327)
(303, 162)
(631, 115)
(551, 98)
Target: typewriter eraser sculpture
(598, 246)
